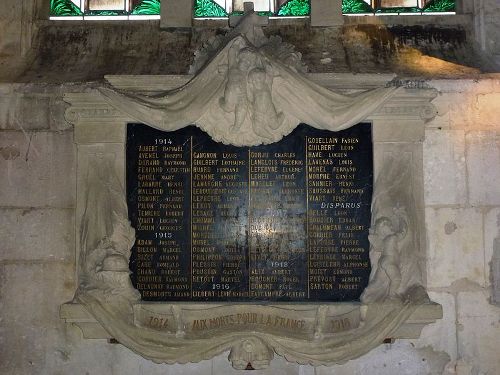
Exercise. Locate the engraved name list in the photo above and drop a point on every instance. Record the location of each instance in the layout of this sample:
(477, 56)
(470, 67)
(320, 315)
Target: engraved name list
(281, 222)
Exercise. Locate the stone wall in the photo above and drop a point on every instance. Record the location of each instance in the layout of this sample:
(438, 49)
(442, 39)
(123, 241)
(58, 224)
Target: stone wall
(37, 271)
(64, 52)
(38, 159)
(35, 49)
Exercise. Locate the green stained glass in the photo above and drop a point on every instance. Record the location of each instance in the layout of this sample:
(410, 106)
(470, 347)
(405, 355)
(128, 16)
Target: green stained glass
(440, 6)
(147, 7)
(208, 8)
(61, 8)
(399, 10)
(295, 8)
(355, 6)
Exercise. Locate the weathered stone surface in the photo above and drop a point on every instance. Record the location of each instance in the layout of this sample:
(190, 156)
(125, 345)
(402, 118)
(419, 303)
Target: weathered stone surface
(307, 370)
(444, 167)
(478, 331)
(441, 336)
(24, 112)
(486, 110)
(28, 318)
(326, 13)
(38, 169)
(29, 327)
(455, 110)
(57, 111)
(73, 52)
(33, 340)
(31, 108)
(455, 246)
(26, 288)
(399, 358)
(100, 357)
(492, 246)
(483, 167)
(37, 234)
(176, 14)
(491, 26)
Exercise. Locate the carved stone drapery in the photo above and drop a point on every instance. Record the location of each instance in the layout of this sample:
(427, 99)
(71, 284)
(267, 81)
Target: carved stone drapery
(231, 98)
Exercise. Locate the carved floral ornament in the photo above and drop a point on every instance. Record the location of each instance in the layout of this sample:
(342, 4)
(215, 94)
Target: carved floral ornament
(248, 90)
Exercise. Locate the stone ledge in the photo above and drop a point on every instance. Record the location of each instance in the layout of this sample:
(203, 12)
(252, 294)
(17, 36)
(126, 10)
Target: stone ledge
(335, 81)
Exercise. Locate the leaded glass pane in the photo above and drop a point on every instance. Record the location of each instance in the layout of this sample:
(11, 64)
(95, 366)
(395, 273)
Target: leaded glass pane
(439, 6)
(146, 7)
(398, 3)
(65, 8)
(356, 7)
(107, 5)
(223, 8)
(295, 8)
(106, 9)
(258, 5)
(397, 6)
(208, 9)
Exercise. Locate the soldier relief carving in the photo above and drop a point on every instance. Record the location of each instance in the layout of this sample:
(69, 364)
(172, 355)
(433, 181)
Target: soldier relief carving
(250, 92)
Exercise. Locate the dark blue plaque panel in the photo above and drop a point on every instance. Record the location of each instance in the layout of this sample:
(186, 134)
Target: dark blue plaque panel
(282, 222)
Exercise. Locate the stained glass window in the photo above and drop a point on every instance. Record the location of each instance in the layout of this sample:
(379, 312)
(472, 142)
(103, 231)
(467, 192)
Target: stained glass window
(397, 6)
(105, 9)
(273, 8)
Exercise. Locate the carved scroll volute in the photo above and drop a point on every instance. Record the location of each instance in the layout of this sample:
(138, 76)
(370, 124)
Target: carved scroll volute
(251, 354)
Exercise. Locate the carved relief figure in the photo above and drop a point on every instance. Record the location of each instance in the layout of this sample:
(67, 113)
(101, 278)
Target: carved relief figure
(264, 116)
(385, 280)
(106, 234)
(241, 60)
(248, 91)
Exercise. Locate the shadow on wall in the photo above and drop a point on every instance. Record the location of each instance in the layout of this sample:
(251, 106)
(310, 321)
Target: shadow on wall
(415, 50)
(78, 52)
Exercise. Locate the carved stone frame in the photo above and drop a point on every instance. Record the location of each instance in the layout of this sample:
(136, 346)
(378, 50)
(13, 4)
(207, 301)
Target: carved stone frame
(398, 133)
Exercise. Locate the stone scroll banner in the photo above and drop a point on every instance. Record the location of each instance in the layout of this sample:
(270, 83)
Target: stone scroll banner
(281, 222)
(199, 321)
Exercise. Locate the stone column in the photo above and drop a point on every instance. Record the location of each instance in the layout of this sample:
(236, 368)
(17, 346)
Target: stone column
(176, 13)
(326, 13)
(464, 6)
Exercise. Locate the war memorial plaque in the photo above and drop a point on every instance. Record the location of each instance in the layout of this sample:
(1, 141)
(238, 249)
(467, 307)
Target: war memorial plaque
(281, 222)
(200, 223)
